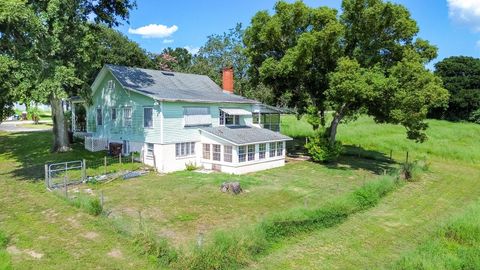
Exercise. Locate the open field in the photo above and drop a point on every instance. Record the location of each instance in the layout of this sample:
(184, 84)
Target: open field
(45, 232)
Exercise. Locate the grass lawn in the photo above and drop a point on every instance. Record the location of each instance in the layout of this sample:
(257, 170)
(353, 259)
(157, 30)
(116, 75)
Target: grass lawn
(379, 237)
(181, 205)
(45, 232)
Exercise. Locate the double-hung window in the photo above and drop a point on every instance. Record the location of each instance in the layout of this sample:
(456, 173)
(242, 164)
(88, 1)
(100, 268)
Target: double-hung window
(228, 120)
(227, 153)
(206, 151)
(279, 148)
(216, 152)
(148, 117)
(262, 148)
(149, 150)
(127, 116)
(273, 149)
(251, 152)
(184, 149)
(114, 114)
(99, 117)
(241, 154)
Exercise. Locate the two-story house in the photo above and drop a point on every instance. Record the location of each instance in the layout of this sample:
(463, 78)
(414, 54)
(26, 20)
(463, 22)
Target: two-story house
(173, 119)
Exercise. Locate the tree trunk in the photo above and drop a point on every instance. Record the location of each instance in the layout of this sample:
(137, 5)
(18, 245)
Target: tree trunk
(60, 134)
(334, 125)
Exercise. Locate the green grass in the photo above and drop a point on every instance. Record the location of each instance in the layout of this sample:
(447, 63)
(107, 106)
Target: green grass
(154, 216)
(182, 205)
(5, 263)
(454, 246)
(376, 238)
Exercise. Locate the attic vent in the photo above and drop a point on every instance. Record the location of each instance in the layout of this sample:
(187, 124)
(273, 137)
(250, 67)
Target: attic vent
(167, 73)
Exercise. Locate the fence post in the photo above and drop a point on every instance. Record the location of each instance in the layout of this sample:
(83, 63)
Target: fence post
(84, 170)
(391, 154)
(406, 159)
(46, 176)
(132, 156)
(120, 159)
(65, 180)
(105, 164)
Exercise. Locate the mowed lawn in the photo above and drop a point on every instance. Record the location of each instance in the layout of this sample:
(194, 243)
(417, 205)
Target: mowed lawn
(47, 232)
(182, 205)
(377, 238)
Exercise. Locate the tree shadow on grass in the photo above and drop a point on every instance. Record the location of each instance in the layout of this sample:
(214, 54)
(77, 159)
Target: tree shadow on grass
(353, 158)
(24, 154)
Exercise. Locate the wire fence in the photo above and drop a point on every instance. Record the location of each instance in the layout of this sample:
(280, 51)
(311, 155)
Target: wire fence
(63, 174)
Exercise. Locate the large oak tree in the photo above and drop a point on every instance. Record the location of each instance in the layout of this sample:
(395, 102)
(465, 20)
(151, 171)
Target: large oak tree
(366, 60)
(57, 39)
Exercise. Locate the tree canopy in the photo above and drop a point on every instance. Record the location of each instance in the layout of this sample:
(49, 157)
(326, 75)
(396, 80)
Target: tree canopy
(461, 77)
(56, 41)
(367, 60)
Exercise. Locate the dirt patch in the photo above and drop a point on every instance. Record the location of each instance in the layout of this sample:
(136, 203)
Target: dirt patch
(73, 222)
(33, 253)
(13, 250)
(50, 215)
(90, 235)
(115, 253)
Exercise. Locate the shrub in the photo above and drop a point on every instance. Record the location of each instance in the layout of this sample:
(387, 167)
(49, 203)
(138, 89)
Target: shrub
(321, 150)
(157, 249)
(475, 116)
(94, 206)
(190, 166)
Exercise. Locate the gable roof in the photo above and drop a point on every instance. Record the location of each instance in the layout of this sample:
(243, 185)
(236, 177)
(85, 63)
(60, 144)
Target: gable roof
(241, 135)
(173, 86)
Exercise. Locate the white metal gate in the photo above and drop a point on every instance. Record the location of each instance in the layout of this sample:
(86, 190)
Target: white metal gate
(64, 173)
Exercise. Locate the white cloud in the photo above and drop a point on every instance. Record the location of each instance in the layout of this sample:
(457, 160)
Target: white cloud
(166, 41)
(154, 31)
(478, 44)
(192, 49)
(465, 11)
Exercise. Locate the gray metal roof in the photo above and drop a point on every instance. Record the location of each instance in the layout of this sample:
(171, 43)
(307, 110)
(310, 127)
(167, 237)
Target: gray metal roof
(241, 135)
(173, 86)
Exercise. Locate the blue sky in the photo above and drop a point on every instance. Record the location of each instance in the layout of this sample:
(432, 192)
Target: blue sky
(452, 25)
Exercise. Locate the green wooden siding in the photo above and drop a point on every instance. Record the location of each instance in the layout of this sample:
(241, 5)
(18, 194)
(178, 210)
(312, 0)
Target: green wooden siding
(173, 125)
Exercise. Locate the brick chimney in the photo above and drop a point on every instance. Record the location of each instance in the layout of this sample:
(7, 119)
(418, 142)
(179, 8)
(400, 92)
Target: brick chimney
(227, 79)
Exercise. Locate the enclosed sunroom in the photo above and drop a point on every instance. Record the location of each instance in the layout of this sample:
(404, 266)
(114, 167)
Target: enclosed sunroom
(241, 149)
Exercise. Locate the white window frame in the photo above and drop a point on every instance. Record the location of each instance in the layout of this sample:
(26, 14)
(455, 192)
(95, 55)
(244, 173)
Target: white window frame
(112, 110)
(262, 151)
(223, 119)
(145, 108)
(127, 122)
(99, 115)
(272, 150)
(185, 149)
(149, 152)
(206, 151)
(250, 153)
(227, 153)
(242, 153)
(216, 155)
(279, 149)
